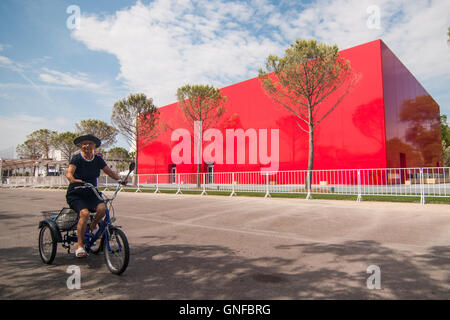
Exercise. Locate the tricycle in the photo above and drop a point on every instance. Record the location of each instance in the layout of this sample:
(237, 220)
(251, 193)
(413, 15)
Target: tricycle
(60, 227)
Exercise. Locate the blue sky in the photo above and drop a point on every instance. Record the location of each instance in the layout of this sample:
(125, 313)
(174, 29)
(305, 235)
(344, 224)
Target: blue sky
(52, 76)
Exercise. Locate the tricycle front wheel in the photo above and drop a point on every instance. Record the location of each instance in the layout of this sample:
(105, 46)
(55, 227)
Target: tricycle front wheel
(117, 251)
(47, 245)
(98, 246)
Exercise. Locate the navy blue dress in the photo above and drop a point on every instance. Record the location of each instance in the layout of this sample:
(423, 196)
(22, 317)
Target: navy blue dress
(88, 171)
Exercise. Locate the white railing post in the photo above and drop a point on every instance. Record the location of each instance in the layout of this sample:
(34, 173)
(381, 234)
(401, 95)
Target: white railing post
(445, 182)
(422, 187)
(157, 185)
(267, 186)
(179, 186)
(359, 187)
(233, 193)
(106, 184)
(138, 186)
(204, 184)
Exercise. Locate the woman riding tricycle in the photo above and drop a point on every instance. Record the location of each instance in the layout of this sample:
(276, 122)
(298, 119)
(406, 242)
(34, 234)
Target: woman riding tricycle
(87, 230)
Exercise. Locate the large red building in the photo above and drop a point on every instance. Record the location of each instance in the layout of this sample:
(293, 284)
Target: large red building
(387, 121)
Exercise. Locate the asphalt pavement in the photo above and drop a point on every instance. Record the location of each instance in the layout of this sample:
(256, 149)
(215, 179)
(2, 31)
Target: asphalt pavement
(217, 247)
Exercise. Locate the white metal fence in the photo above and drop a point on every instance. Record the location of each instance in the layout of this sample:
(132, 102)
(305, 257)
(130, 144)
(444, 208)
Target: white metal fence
(34, 182)
(418, 182)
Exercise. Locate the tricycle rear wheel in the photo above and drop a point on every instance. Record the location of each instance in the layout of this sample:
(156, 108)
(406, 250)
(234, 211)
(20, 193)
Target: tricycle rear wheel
(47, 245)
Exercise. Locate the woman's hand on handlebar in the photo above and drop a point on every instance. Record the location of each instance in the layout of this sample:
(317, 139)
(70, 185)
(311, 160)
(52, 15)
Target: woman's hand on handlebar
(77, 181)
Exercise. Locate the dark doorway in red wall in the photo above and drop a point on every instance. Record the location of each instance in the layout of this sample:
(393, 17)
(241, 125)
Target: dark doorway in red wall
(173, 173)
(210, 173)
(402, 165)
(402, 160)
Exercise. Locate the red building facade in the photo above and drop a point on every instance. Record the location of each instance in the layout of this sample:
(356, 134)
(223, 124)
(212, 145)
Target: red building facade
(387, 121)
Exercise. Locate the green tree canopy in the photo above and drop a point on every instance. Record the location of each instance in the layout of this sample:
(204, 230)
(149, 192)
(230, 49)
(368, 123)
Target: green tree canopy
(98, 128)
(118, 153)
(43, 138)
(446, 157)
(64, 143)
(445, 132)
(202, 103)
(136, 118)
(29, 150)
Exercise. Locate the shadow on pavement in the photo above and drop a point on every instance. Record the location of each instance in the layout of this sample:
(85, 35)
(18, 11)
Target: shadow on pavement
(178, 271)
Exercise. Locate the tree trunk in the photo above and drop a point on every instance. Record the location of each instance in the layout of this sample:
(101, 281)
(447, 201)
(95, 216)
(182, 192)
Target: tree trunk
(199, 153)
(310, 156)
(47, 151)
(136, 156)
(134, 179)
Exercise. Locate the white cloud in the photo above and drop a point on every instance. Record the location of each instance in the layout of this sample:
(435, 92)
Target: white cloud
(3, 46)
(164, 45)
(15, 128)
(414, 30)
(78, 80)
(19, 68)
(5, 61)
(5, 96)
(50, 79)
(167, 43)
(9, 64)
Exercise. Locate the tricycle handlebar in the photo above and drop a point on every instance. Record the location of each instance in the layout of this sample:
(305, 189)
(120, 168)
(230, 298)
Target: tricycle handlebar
(118, 188)
(87, 185)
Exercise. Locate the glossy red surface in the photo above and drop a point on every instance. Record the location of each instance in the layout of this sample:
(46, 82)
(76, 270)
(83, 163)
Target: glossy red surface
(413, 131)
(352, 136)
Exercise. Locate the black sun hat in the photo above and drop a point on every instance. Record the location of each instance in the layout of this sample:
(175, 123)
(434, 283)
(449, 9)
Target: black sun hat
(89, 137)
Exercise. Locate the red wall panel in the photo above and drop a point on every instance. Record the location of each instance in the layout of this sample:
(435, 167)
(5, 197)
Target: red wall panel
(352, 136)
(413, 132)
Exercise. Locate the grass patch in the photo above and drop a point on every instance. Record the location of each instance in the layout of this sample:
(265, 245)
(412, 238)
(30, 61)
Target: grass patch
(319, 196)
(414, 199)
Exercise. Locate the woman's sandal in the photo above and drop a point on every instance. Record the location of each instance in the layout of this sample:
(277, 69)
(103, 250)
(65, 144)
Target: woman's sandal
(80, 253)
